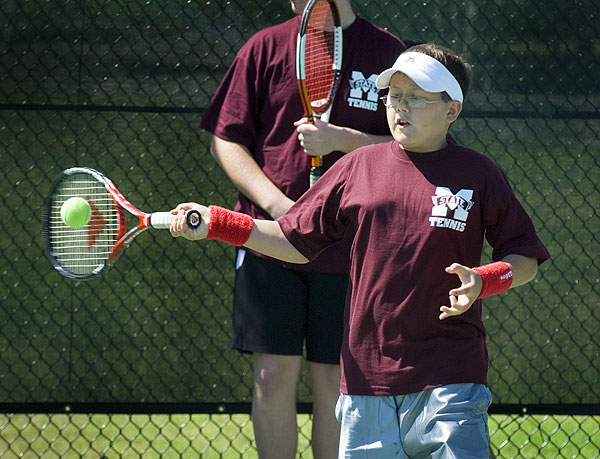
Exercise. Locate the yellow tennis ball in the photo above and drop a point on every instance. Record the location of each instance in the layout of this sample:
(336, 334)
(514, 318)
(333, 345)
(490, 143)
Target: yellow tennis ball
(75, 212)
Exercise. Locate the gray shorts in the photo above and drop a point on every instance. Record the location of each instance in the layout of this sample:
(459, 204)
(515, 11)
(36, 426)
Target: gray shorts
(446, 422)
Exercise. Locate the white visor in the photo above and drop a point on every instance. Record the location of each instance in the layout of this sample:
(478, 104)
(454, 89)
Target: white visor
(427, 72)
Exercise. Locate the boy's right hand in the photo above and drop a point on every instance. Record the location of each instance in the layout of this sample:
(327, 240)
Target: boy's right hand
(179, 226)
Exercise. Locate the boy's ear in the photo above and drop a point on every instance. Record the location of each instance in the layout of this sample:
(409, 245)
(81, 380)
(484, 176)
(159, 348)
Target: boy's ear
(454, 109)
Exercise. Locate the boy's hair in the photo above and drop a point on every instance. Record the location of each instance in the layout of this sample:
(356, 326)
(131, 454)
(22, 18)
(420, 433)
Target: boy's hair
(455, 64)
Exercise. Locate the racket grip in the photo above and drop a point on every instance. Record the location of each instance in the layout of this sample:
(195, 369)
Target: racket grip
(315, 174)
(161, 220)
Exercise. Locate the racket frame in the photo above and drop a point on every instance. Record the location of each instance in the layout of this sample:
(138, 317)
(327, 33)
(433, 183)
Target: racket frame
(324, 108)
(158, 220)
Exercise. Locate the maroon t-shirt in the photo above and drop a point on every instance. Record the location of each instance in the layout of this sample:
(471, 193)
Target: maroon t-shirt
(257, 104)
(411, 215)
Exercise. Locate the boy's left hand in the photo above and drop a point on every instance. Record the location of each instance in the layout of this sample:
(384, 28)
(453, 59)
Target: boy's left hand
(463, 297)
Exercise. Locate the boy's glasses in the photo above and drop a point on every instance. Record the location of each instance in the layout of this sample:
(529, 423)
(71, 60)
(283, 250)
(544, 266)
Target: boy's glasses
(411, 101)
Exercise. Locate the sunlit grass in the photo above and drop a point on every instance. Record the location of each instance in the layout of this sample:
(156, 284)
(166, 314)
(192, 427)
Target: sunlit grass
(231, 436)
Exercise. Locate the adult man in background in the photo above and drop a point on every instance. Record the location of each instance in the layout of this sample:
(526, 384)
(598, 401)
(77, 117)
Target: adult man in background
(263, 145)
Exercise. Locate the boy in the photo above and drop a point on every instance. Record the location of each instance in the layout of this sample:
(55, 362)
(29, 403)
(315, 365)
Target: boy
(414, 360)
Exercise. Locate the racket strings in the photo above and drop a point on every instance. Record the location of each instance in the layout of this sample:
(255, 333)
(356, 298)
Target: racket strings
(83, 250)
(319, 54)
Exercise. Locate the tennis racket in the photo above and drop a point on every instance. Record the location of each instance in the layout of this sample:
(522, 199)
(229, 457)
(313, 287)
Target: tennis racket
(318, 64)
(86, 252)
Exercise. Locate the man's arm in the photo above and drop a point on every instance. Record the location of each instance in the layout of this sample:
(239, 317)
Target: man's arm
(245, 174)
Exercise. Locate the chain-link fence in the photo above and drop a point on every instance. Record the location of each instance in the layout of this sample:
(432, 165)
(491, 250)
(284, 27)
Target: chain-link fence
(120, 86)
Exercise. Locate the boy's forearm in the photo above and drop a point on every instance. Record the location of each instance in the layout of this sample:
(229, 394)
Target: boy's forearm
(218, 223)
(267, 238)
(511, 271)
(524, 269)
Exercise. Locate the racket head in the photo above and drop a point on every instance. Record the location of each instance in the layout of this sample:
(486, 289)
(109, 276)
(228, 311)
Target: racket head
(84, 252)
(318, 56)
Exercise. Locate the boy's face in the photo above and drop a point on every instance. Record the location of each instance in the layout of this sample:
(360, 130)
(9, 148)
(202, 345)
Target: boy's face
(419, 129)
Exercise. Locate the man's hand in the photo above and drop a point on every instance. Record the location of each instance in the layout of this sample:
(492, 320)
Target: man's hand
(463, 297)
(179, 226)
(321, 138)
(318, 139)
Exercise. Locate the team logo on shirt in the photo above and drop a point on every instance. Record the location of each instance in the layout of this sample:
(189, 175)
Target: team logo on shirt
(450, 210)
(363, 93)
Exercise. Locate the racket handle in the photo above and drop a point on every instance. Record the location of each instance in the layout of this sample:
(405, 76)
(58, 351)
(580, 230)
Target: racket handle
(315, 174)
(162, 220)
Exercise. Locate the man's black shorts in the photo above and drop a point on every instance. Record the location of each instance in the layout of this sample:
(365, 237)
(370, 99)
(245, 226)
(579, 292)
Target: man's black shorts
(277, 310)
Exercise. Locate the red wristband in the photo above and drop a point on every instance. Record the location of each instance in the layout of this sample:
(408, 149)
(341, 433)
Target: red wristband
(228, 226)
(496, 277)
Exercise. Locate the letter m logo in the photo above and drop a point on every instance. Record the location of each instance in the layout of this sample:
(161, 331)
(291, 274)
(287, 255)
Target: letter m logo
(360, 85)
(445, 202)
